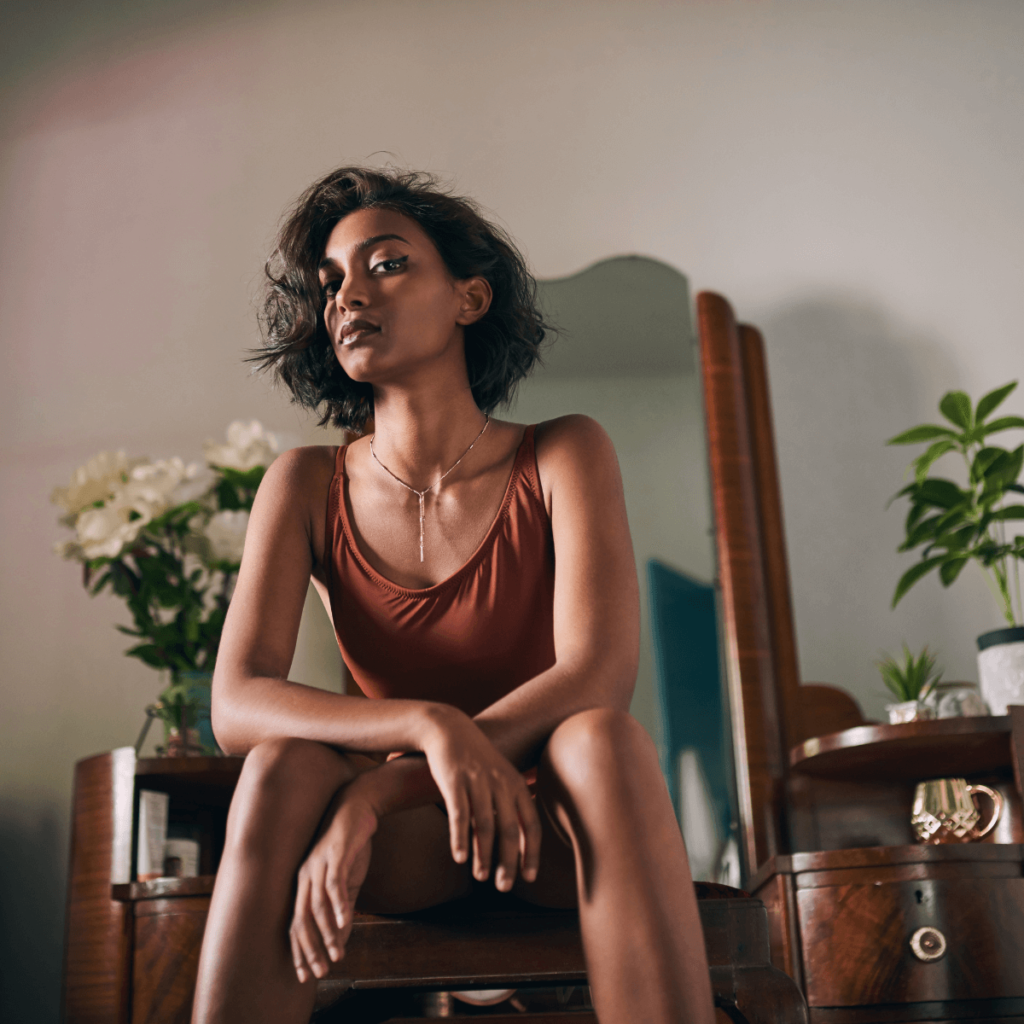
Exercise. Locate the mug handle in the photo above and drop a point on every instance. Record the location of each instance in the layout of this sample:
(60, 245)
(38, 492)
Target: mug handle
(997, 803)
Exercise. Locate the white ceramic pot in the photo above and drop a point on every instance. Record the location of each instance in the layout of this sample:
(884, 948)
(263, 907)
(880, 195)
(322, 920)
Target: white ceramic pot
(1001, 667)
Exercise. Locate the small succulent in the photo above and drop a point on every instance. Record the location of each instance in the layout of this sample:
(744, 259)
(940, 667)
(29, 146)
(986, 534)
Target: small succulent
(913, 678)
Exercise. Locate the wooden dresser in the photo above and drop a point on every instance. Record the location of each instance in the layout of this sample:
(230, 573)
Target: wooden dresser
(871, 925)
(132, 948)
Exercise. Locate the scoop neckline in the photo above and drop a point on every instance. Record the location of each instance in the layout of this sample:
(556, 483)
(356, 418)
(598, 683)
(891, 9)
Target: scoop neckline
(466, 567)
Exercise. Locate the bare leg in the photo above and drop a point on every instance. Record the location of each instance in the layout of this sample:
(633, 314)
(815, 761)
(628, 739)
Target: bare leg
(600, 781)
(245, 968)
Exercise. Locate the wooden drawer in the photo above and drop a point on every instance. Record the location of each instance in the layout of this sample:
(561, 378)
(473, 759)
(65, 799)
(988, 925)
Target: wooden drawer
(168, 935)
(856, 940)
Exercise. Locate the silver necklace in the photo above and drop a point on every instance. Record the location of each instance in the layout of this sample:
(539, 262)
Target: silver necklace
(437, 483)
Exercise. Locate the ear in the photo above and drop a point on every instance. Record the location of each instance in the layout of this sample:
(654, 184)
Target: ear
(476, 300)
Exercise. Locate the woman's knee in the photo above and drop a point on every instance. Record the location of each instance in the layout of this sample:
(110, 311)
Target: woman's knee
(596, 741)
(279, 779)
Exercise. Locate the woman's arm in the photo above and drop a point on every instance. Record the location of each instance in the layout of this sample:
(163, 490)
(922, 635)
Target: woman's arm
(597, 604)
(253, 700)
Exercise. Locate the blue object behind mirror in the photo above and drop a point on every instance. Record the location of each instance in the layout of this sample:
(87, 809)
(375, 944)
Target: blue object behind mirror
(689, 686)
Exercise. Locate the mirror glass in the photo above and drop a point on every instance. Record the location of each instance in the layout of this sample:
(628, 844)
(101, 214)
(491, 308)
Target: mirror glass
(626, 355)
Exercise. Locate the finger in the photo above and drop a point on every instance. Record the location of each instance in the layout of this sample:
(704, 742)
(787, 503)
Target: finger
(337, 894)
(508, 839)
(483, 829)
(298, 959)
(302, 969)
(456, 802)
(308, 936)
(530, 833)
(323, 915)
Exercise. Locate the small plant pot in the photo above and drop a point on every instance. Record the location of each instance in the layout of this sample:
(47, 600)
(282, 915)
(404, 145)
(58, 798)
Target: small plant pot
(1001, 667)
(182, 744)
(909, 711)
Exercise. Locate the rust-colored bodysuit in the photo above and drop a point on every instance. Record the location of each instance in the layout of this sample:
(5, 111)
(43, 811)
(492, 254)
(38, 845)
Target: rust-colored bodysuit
(470, 639)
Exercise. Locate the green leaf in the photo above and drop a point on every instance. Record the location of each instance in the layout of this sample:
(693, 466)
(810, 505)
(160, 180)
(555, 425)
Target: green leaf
(923, 463)
(248, 479)
(100, 584)
(925, 432)
(956, 407)
(912, 679)
(1010, 512)
(951, 569)
(149, 653)
(939, 493)
(922, 531)
(992, 400)
(913, 574)
(1004, 423)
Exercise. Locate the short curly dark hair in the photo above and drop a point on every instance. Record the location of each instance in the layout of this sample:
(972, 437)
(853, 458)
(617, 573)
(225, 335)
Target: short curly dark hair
(501, 348)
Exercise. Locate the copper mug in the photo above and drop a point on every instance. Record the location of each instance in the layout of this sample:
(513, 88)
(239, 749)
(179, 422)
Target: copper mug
(945, 811)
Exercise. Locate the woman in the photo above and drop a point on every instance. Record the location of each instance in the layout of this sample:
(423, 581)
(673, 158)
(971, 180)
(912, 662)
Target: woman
(481, 580)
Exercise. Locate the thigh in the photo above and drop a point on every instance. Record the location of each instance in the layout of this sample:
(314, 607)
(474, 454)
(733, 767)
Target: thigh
(555, 885)
(411, 864)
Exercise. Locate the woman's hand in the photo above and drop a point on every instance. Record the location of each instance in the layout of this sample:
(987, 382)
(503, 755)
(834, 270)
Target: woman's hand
(485, 797)
(329, 882)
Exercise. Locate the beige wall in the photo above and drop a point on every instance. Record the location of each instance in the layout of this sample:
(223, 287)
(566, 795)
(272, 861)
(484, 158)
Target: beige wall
(848, 173)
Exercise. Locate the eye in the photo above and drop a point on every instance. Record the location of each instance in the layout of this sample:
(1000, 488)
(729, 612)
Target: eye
(330, 288)
(390, 266)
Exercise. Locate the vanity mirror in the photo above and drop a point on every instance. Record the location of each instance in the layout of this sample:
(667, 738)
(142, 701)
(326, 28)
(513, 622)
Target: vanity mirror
(626, 355)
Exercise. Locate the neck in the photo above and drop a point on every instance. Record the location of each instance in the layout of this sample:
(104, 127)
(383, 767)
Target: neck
(419, 437)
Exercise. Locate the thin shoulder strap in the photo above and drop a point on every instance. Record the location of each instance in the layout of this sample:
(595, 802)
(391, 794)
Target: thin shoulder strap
(335, 495)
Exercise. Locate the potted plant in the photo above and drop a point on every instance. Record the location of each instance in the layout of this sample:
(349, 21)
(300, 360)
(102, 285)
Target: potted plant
(911, 682)
(168, 539)
(956, 523)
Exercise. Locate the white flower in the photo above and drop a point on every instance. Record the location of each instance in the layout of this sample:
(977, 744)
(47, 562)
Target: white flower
(226, 533)
(149, 488)
(249, 445)
(95, 481)
(157, 486)
(105, 531)
(197, 481)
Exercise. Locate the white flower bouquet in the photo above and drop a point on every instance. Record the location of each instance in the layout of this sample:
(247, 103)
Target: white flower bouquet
(168, 539)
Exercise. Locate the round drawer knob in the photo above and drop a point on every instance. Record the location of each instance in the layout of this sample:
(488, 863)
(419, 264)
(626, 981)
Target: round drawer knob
(928, 944)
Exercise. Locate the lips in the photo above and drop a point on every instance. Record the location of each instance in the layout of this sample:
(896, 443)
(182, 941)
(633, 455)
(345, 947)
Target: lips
(354, 330)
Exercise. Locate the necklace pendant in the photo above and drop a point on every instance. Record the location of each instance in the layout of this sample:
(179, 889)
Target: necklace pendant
(436, 483)
(421, 497)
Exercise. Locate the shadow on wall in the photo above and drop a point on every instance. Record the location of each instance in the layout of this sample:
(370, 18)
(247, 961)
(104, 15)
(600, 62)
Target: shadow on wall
(844, 378)
(33, 846)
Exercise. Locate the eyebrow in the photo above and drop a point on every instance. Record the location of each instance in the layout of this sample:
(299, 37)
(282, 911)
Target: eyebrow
(366, 243)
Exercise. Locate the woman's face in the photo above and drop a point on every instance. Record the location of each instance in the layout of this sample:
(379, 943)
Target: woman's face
(391, 307)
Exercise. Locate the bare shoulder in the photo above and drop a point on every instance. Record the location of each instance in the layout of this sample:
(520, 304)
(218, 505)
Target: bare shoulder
(574, 451)
(572, 439)
(298, 478)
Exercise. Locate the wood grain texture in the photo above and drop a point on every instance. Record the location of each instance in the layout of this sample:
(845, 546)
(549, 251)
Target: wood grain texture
(978, 1011)
(785, 664)
(459, 946)
(168, 937)
(876, 858)
(779, 897)
(97, 928)
(856, 940)
(746, 623)
(944, 748)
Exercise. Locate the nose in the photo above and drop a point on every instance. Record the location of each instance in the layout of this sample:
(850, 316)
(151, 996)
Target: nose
(353, 293)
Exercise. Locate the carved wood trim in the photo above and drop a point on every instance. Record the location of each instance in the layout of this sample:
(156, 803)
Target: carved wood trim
(746, 623)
